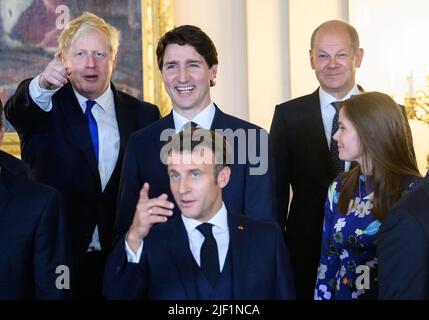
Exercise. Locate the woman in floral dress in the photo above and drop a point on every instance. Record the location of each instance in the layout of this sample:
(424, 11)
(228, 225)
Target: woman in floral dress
(372, 133)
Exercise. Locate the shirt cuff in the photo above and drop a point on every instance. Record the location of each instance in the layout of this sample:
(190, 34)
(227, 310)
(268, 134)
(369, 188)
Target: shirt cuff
(42, 97)
(131, 256)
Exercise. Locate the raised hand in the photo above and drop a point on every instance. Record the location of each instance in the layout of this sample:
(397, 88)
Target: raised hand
(55, 74)
(148, 212)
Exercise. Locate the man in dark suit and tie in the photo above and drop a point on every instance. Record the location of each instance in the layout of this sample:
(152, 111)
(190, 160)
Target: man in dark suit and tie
(305, 155)
(301, 136)
(32, 239)
(403, 248)
(187, 59)
(73, 126)
(206, 252)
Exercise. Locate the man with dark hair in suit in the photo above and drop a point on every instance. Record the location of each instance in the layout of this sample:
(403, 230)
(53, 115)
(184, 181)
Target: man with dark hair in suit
(73, 126)
(32, 238)
(187, 59)
(207, 252)
(305, 155)
(403, 248)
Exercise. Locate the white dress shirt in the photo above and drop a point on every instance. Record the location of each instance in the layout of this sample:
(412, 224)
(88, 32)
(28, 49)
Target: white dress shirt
(204, 119)
(328, 113)
(41, 96)
(108, 132)
(220, 232)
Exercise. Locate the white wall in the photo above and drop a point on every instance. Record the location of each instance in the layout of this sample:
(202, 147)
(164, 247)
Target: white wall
(304, 17)
(268, 58)
(402, 49)
(224, 21)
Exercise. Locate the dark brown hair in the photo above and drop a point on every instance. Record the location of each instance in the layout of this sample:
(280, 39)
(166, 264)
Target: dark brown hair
(381, 127)
(188, 35)
(193, 139)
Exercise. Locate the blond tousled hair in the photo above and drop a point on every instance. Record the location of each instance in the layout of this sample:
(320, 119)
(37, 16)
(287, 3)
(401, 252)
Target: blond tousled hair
(85, 23)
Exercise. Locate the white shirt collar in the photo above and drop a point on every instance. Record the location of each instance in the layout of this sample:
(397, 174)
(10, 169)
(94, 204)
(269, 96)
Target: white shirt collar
(326, 99)
(105, 101)
(219, 220)
(203, 119)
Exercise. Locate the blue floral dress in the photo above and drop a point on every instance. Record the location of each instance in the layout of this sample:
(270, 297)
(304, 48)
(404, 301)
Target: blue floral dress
(348, 263)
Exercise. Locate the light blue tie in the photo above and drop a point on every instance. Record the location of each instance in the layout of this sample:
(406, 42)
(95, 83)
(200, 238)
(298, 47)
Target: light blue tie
(92, 124)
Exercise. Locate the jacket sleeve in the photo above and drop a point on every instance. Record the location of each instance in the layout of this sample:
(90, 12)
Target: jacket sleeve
(51, 264)
(260, 201)
(403, 258)
(279, 148)
(21, 111)
(285, 284)
(124, 280)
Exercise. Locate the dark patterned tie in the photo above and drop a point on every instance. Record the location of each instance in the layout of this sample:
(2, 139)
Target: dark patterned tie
(209, 254)
(92, 124)
(188, 125)
(337, 162)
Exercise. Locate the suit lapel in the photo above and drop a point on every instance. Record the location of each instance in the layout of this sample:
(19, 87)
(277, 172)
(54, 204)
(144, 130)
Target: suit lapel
(166, 123)
(316, 121)
(316, 130)
(77, 127)
(179, 249)
(239, 247)
(125, 119)
(219, 120)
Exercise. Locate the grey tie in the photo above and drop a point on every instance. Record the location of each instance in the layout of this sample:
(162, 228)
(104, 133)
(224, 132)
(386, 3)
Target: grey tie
(337, 163)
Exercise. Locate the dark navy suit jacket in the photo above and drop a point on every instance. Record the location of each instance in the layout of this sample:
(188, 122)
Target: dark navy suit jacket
(32, 238)
(260, 264)
(403, 247)
(251, 194)
(58, 149)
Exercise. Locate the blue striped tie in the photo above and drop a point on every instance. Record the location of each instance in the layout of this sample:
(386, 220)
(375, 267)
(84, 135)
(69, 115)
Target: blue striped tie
(92, 124)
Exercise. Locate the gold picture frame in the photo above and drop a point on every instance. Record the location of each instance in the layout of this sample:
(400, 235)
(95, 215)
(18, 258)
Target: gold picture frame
(11, 144)
(156, 19)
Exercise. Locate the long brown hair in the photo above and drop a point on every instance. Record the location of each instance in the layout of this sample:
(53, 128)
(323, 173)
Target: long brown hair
(381, 127)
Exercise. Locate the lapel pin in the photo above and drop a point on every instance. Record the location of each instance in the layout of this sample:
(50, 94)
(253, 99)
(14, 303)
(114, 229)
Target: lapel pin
(240, 227)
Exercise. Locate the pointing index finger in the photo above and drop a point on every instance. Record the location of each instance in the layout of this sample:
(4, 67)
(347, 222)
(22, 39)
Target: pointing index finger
(144, 192)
